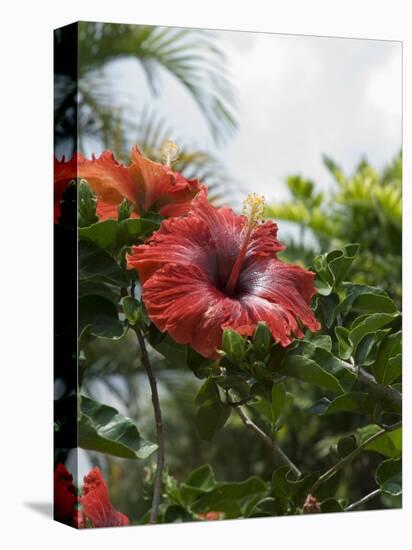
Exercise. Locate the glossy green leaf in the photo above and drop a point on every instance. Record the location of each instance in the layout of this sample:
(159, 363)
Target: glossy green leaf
(330, 506)
(233, 345)
(346, 445)
(132, 309)
(388, 365)
(278, 401)
(366, 299)
(389, 476)
(101, 428)
(344, 342)
(86, 204)
(303, 368)
(353, 402)
(212, 413)
(262, 340)
(100, 317)
(200, 481)
(95, 263)
(388, 444)
(328, 362)
(175, 353)
(110, 235)
(366, 324)
(228, 492)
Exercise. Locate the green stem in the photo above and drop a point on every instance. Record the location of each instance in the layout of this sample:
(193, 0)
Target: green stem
(157, 491)
(271, 443)
(348, 458)
(363, 500)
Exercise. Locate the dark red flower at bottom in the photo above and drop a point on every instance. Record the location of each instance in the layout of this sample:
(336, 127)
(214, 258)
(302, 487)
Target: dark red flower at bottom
(213, 269)
(95, 503)
(65, 497)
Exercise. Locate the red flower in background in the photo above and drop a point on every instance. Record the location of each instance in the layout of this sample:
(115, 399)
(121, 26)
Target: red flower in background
(94, 504)
(64, 173)
(148, 185)
(213, 269)
(65, 497)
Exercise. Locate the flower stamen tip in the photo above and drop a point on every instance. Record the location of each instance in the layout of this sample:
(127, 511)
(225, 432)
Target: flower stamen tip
(169, 152)
(254, 207)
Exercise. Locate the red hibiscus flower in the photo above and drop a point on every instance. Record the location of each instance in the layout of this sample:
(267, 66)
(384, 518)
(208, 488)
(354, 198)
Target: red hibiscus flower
(65, 497)
(213, 269)
(95, 503)
(148, 185)
(64, 173)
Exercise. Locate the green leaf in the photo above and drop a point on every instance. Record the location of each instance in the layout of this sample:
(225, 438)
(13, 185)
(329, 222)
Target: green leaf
(233, 345)
(200, 481)
(327, 306)
(212, 413)
(133, 230)
(333, 267)
(354, 402)
(175, 353)
(388, 365)
(229, 492)
(132, 309)
(330, 506)
(101, 428)
(303, 368)
(95, 263)
(102, 234)
(366, 299)
(346, 445)
(344, 342)
(328, 362)
(323, 341)
(278, 401)
(388, 444)
(86, 203)
(389, 476)
(100, 316)
(286, 486)
(262, 340)
(124, 210)
(111, 235)
(366, 324)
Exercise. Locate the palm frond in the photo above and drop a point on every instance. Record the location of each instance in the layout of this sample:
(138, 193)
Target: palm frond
(190, 55)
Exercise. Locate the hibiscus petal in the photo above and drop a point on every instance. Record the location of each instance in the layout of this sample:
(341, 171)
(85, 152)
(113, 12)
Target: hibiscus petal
(159, 188)
(64, 173)
(96, 502)
(289, 288)
(182, 301)
(182, 241)
(64, 495)
(109, 179)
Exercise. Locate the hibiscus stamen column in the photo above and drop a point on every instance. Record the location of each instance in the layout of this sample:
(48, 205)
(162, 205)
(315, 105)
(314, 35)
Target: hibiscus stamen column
(253, 210)
(160, 461)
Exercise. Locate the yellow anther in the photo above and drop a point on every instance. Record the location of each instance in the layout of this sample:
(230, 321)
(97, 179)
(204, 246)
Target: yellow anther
(169, 152)
(254, 208)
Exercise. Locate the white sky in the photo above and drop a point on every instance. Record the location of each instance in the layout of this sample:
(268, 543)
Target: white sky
(298, 97)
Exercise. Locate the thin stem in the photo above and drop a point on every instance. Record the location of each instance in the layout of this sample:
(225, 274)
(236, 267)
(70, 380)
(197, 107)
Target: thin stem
(271, 443)
(385, 392)
(348, 458)
(154, 513)
(363, 500)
